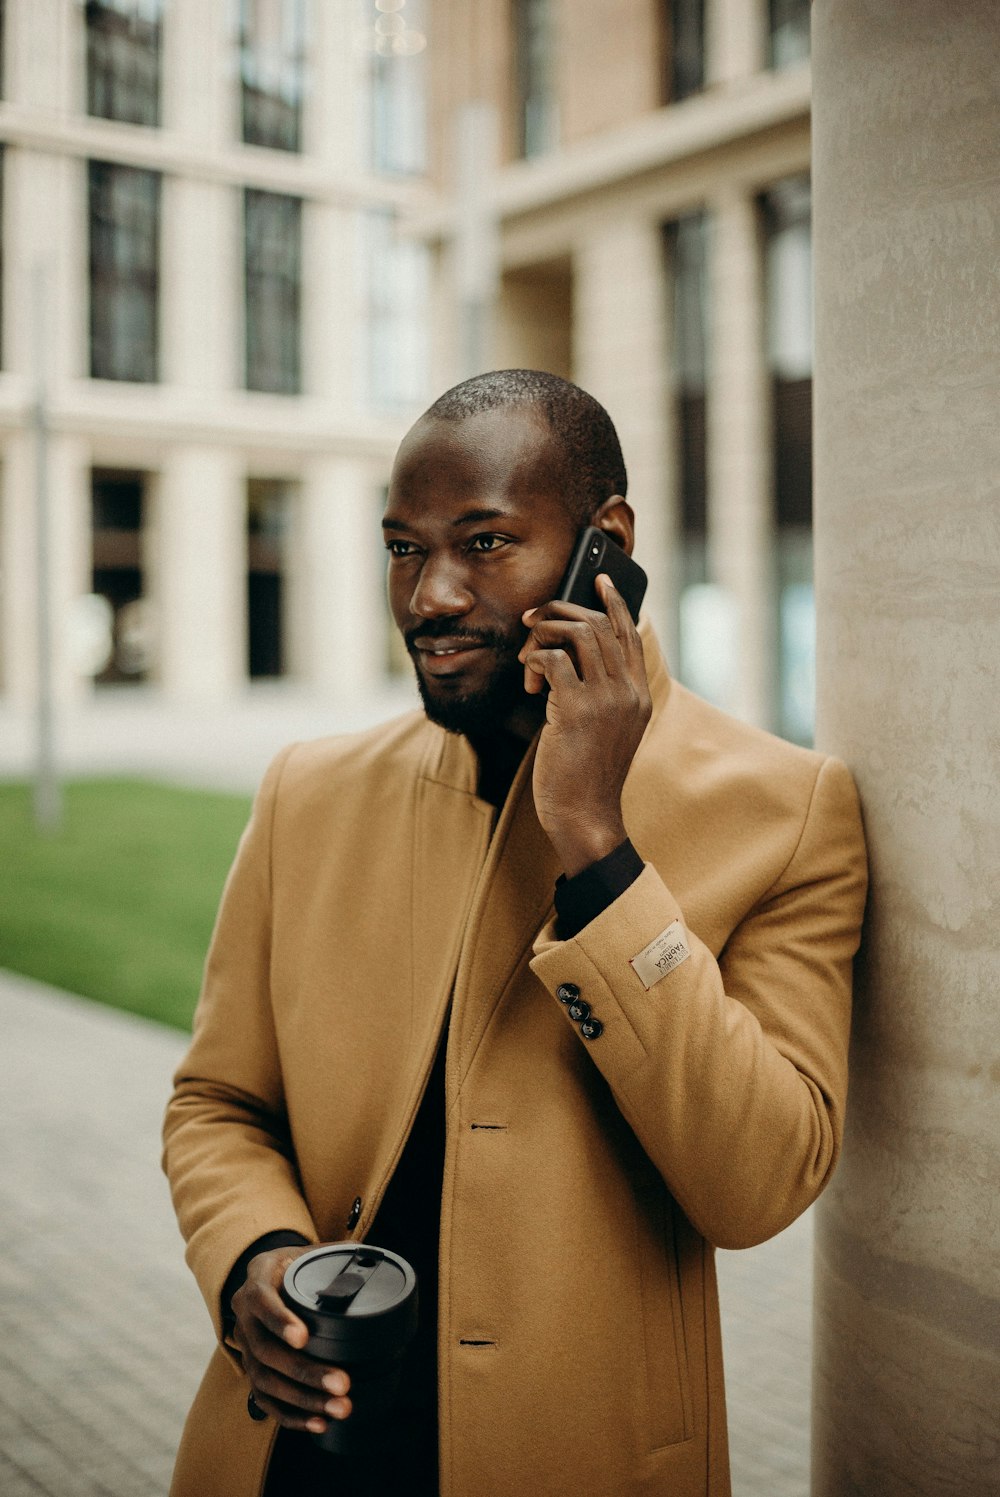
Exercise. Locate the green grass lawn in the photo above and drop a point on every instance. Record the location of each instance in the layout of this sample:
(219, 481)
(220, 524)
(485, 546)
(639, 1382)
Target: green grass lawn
(119, 904)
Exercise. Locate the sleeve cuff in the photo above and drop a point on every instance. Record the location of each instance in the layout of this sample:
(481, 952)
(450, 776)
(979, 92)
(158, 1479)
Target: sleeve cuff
(580, 899)
(238, 1272)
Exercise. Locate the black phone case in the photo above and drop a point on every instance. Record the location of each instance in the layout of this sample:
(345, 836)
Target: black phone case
(596, 552)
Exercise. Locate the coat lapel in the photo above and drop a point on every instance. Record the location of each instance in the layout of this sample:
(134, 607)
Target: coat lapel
(451, 836)
(512, 902)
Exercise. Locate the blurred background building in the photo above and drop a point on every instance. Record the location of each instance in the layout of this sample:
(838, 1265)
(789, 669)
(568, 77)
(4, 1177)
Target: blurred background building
(244, 243)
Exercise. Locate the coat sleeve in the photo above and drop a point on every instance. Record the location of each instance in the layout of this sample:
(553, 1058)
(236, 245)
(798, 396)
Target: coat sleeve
(227, 1151)
(733, 1072)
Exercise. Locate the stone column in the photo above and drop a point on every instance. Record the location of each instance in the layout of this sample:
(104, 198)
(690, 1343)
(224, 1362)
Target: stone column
(907, 222)
(740, 527)
(620, 357)
(342, 624)
(198, 566)
(734, 35)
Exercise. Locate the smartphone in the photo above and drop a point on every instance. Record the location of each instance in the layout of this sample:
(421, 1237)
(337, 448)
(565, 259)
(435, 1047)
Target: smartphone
(595, 552)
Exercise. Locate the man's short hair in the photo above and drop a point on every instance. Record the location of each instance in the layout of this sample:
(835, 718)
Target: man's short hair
(595, 468)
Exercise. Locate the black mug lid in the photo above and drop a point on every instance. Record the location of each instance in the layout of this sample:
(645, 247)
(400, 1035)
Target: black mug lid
(346, 1286)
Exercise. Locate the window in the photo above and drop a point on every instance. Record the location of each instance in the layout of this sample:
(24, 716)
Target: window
(124, 271)
(788, 32)
(273, 286)
(117, 518)
(398, 295)
(397, 93)
(536, 118)
(123, 60)
(705, 624)
(272, 72)
(269, 507)
(788, 311)
(682, 28)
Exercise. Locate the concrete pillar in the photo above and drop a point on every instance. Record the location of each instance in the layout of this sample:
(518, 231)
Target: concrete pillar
(338, 574)
(907, 220)
(734, 35)
(200, 77)
(332, 310)
(740, 529)
(620, 357)
(69, 574)
(201, 279)
(198, 573)
(40, 189)
(44, 55)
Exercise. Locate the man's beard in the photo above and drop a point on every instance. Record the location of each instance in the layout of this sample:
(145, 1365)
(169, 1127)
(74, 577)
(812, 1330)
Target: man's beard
(481, 712)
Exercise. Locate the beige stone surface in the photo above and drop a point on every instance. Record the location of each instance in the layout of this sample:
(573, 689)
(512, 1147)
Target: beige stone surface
(907, 220)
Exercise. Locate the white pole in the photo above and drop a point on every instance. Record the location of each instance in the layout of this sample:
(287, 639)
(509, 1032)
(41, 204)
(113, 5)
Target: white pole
(48, 796)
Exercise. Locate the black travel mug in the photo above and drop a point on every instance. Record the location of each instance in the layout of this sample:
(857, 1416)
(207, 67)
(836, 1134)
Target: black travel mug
(359, 1304)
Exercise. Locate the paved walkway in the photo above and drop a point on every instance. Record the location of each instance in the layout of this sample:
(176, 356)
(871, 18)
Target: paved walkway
(102, 1333)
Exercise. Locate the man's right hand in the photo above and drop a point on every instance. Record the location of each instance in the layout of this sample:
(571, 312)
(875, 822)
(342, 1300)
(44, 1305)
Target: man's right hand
(294, 1389)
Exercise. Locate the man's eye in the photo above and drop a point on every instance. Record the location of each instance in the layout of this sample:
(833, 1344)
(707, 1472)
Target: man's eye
(400, 548)
(487, 542)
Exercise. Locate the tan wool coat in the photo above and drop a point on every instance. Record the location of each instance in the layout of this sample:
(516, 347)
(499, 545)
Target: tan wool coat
(579, 1343)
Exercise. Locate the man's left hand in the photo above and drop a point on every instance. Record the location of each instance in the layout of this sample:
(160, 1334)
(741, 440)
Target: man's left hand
(596, 713)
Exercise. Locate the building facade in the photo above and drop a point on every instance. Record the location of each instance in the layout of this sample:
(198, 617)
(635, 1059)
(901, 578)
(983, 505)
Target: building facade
(646, 233)
(244, 243)
(201, 288)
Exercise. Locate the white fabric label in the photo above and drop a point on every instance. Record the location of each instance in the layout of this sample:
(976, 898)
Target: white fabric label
(661, 956)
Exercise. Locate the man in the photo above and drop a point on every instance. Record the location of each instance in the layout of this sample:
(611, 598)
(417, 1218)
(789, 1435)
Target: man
(546, 987)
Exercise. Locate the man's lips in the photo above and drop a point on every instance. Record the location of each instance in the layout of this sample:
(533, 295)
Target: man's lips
(447, 656)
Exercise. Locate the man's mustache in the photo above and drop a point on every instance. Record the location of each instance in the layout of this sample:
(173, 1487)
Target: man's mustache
(445, 629)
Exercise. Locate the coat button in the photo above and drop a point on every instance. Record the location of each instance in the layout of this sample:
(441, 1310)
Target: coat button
(579, 1010)
(355, 1215)
(591, 1029)
(567, 991)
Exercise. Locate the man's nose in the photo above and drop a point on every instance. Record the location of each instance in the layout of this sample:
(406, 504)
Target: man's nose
(442, 590)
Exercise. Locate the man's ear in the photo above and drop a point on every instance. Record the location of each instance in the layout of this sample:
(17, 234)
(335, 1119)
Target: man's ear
(617, 519)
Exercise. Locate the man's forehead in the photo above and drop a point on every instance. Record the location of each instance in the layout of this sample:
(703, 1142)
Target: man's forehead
(505, 442)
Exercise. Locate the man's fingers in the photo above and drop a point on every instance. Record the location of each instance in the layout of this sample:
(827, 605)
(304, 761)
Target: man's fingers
(269, 1385)
(292, 1417)
(553, 666)
(590, 643)
(626, 633)
(265, 1304)
(261, 1348)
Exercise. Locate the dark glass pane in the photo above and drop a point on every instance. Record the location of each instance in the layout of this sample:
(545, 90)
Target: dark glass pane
(788, 316)
(792, 401)
(264, 609)
(272, 70)
(123, 60)
(124, 271)
(687, 245)
(116, 535)
(693, 463)
(533, 58)
(397, 93)
(789, 32)
(268, 513)
(683, 23)
(273, 257)
(116, 500)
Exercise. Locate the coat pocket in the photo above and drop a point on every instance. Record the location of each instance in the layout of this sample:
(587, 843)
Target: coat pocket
(668, 1383)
